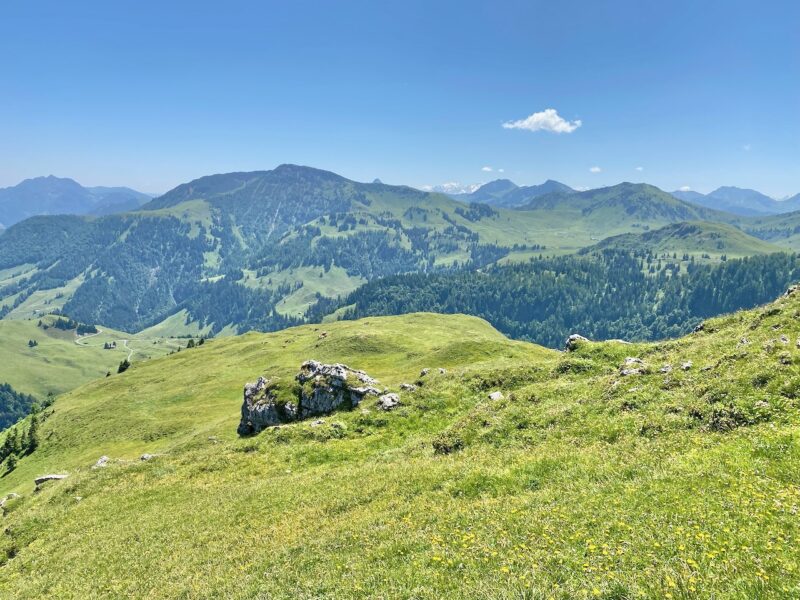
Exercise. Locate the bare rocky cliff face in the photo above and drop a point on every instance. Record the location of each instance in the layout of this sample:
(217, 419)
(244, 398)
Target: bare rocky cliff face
(323, 389)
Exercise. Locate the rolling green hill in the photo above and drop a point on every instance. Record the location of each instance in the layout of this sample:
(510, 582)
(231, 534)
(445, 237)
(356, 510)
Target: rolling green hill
(615, 470)
(783, 229)
(696, 239)
(61, 360)
(246, 251)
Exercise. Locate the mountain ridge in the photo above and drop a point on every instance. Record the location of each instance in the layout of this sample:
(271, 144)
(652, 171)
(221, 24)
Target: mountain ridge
(61, 195)
(741, 201)
(238, 251)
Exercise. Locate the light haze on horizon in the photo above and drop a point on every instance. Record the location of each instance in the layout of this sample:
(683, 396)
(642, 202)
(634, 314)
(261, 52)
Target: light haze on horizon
(151, 95)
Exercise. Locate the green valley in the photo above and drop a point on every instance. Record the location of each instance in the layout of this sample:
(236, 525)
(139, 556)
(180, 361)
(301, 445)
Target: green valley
(60, 360)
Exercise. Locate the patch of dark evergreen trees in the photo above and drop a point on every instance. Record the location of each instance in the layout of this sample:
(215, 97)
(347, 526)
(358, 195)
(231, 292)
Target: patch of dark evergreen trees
(22, 437)
(609, 294)
(14, 405)
(67, 324)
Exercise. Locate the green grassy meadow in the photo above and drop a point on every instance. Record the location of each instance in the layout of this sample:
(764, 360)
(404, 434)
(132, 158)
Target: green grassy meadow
(580, 483)
(63, 361)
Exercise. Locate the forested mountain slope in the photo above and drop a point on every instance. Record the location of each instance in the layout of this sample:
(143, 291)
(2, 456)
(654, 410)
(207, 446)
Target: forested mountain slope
(254, 250)
(633, 295)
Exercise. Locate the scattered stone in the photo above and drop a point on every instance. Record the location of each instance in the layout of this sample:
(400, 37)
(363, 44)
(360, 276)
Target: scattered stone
(744, 341)
(408, 387)
(318, 422)
(323, 335)
(442, 371)
(792, 289)
(424, 372)
(45, 478)
(101, 462)
(707, 368)
(784, 339)
(5, 499)
(145, 457)
(628, 372)
(573, 341)
(337, 425)
(497, 395)
(388, 402)
(632, 366)
(700, 327)
(761, 404)
(666, 369)
(687, 365)
(323, 389)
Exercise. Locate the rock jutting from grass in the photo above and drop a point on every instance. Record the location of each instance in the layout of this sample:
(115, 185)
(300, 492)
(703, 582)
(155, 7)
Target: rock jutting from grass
(574, 341)
(42, 479)
(389, 402)
(323, 389)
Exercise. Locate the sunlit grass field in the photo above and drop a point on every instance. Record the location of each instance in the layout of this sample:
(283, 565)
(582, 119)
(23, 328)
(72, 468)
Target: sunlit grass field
(579, 483)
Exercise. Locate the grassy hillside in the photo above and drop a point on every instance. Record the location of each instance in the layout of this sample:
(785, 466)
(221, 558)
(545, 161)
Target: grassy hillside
(579, 483)
(778, 229)
(695, 239)
(61, 360)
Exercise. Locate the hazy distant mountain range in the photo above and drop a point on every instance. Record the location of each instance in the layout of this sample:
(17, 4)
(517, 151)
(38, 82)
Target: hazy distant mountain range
(505, 193)
(59, 196)
(740, 201)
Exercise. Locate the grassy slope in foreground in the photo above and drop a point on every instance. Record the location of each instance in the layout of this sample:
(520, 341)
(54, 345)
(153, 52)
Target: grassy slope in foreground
(62, 361)
(580, 483)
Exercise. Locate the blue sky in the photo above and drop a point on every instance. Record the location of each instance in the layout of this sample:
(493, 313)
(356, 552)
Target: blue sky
(152, 94)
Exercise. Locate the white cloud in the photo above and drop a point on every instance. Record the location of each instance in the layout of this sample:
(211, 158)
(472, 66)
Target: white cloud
(501, 170)
(546, 120)
(685, 188)
(746, 147)
(640, 169)
(487, 169)
(595, 170)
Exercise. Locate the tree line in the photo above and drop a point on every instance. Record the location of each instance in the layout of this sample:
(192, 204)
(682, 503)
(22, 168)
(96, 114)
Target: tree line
(603, 295)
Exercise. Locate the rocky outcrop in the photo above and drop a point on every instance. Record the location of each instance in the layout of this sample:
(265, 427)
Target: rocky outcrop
(498, 395)
(261, 407)
(323, 389)
(574, 341)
